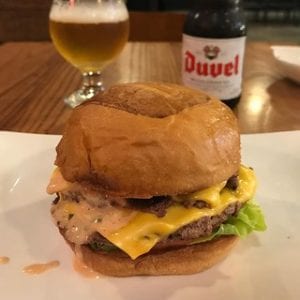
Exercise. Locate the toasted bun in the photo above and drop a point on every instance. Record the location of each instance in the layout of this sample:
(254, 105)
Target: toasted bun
(186, 260)
(146, 139)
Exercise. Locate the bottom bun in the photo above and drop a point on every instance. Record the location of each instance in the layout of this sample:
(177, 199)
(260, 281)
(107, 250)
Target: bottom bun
(186, 260)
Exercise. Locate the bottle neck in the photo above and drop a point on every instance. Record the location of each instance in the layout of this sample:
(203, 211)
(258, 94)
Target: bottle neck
(213, 4)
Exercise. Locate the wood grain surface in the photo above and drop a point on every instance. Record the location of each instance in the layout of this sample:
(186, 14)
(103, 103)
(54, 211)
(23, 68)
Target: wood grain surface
(34, 79)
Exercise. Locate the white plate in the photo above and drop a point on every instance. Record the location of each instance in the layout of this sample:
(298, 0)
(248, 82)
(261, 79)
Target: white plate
(264, 266)
(288, 61)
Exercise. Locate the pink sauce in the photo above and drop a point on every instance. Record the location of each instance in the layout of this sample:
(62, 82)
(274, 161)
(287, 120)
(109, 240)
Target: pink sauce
(4, 260)
(80, 267)
(84, 270)
(37, 269)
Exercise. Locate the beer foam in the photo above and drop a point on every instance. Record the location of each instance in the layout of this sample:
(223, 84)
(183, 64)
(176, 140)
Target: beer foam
(89, 14)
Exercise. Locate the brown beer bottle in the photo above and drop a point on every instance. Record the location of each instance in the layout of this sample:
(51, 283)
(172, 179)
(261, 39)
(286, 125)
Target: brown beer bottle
(214, 38)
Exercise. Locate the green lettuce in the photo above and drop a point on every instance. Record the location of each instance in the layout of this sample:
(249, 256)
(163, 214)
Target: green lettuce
(250, 218)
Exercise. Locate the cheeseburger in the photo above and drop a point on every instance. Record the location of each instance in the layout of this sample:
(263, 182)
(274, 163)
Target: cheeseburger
(149, 181)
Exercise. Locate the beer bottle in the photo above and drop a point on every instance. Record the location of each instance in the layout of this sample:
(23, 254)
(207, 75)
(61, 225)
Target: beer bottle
(214, 38)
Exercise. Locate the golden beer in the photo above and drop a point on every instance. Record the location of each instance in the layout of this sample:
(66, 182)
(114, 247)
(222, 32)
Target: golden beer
(86, 38)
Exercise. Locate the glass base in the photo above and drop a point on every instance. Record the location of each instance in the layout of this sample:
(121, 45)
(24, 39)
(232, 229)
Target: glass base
(91, 86)
(80, 96)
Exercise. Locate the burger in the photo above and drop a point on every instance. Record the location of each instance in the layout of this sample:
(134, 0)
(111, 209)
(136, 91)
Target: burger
(149, 181)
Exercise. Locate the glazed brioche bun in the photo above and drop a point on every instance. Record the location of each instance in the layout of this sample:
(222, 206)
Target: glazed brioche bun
(147, 139)
(178, 261)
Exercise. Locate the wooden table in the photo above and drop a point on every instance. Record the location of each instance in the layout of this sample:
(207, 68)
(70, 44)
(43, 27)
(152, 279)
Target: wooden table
(34, 79)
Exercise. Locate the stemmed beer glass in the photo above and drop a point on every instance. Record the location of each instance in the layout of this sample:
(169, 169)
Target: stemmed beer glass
(89, 34)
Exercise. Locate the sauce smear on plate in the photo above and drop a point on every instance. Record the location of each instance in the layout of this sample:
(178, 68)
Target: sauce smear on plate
(37, 269)
(4, 260)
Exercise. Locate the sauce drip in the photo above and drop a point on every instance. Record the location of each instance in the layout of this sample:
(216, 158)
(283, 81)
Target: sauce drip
(37, 269)
(4, 260)
(83, 269)
(57, 183)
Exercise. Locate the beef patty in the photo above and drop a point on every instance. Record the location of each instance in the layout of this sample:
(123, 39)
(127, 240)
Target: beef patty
(157, 205)
(183, 236)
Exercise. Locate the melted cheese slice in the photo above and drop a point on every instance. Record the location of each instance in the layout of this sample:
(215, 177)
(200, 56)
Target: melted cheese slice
(57, 182)
(210, 195)
(145, 230)
(137, 233)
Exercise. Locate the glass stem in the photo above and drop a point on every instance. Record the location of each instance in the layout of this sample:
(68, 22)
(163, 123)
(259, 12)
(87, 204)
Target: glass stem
(91, 86)
(92, 83)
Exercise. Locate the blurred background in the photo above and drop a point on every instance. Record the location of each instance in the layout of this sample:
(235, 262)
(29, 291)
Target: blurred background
(268, 20)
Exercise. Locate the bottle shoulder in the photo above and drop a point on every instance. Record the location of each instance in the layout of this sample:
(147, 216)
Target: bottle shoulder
(215, 23)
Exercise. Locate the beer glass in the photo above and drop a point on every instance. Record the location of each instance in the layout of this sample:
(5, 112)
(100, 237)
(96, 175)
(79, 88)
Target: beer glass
(89, 34)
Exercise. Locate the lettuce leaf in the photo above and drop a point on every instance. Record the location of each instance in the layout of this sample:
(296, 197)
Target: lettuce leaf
(250, 218)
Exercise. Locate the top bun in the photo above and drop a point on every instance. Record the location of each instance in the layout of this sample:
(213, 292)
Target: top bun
(148, 139)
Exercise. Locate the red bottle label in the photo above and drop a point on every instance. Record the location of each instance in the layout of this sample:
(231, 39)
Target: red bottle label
(213, 65)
